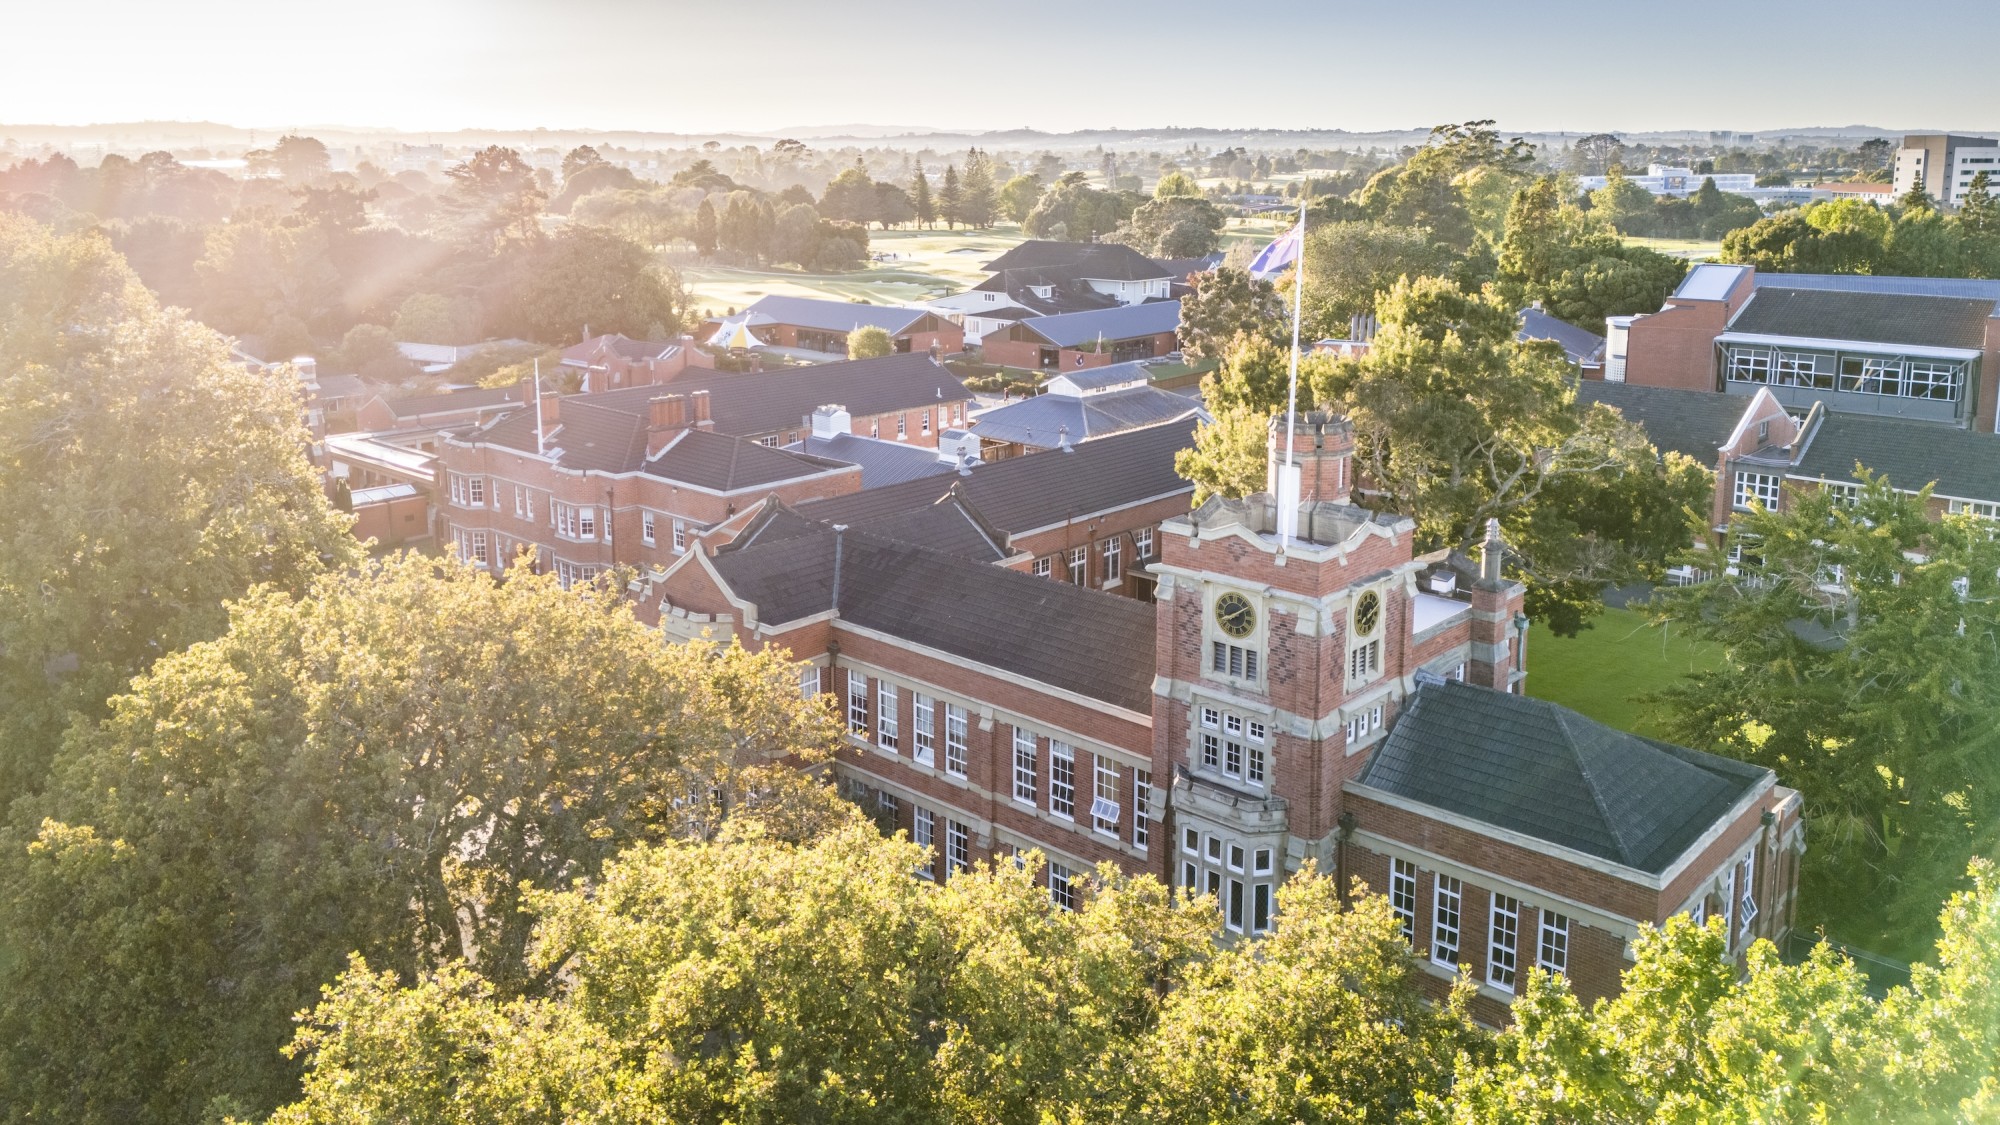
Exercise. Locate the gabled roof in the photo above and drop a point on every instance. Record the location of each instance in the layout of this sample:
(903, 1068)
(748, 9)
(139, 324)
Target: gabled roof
(762, 402)
(597, 437)
(1532, 767)
(1692, 422)
(1881, 318)
(594, 351)
(1038, 489)
(471, 399)
(1097, 261)
(1068, 294)
(1120, 322)
(1049, 419)
(1962, 463)
(1093, 644)
(831, 316)
(882, 462)
(1582, 346)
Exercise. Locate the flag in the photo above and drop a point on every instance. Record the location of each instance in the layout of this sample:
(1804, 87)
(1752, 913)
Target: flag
(1273, 259)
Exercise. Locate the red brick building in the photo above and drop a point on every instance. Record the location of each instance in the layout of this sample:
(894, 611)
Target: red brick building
(809, 324)
(1096, 338)
(605, 363)
(1324, 696)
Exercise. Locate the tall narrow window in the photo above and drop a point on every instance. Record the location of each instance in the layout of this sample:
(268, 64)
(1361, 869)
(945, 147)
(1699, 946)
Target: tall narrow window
(923, 722)
(957, 845)
(1142, 543)
(1079, 566)
(1503, 942)
(1024, 765)
(1112, 562)
(1445, 904)
(857, 704)
(954, 740)
(888, 720)
(646, 528)
(921, 833)
(680, 537)
(1403, 895)
(1062, 779)
(809, 682)
(1142, 800)
(1062, 886)
(1554, 953)
(1104, 808)
(1045, 566)
(1746, 899)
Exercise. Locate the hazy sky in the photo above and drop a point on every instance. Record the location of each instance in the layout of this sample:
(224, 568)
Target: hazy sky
(758, 65)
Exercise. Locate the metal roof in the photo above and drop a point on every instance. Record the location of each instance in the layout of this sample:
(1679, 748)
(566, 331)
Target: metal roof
(832, 316)
(1122, 322)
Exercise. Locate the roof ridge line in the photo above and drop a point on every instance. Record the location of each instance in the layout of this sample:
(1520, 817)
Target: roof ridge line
(1590, 784)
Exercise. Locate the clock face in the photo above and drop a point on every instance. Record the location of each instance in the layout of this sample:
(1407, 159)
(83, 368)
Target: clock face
(1235, 614)
(1367, 614)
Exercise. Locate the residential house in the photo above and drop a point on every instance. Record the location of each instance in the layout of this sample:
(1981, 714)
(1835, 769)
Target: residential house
(608, 362)
(817, 329)
(1099, 338)
(1047, 278)
(1318, 695)
(1079, 406)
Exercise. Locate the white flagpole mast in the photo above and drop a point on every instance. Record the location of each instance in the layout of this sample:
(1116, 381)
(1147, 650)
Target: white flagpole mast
(1288, 515)
(541, 442)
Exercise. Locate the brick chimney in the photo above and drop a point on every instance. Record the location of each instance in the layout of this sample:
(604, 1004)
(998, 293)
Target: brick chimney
(667, 417)
(551, 409)
(1323, 449)
(1499, 628)
(702, 419)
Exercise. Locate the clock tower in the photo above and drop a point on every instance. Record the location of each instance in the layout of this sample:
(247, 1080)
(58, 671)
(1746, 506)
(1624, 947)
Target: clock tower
(1282, 660)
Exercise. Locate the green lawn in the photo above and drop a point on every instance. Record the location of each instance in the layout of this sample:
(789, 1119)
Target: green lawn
(927, 263)
(1693, 249)
(1602, 670)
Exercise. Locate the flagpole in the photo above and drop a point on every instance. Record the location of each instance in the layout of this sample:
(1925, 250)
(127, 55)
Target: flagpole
(1288, 518)
(541, 442)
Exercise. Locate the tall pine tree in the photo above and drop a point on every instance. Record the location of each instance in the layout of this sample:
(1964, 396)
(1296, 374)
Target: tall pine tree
(951, 200)
(920, 198)
(981, 197)
(705, 229)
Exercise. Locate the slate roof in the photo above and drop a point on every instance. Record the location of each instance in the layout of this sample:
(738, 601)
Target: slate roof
(882, 462)
(1121, 322)
(474, 398)
(831, 316)
(1094, 644)
(1882, 318)
(596, 437)
(762, 402)
(1692, 422)
(1530, 766)
(1035, 490)
(333, 387)
(1963, 464)
(1046, 419)
(1099, 261)
(1582, 346)
(1069, 294)
(595, 349)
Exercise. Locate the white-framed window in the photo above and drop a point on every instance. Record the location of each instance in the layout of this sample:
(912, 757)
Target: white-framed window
(888, 718)
(1365, 722)
(1045, 566)
(646, 528)
(573, 521)
(957, 413)
(1553, 954)
(924, 421)
(586, 523)
(680, 537)
(480, 555)
(922, 829)
(857, 704)
(1062, 888)
(809, 682)
(527, 503)
(468, 491)
(1142, 800)
(1503, 941)
(902, 426)
(954, 740)
(1024, 765)
(1981, 508)
(1233, 917)
(1062, 779)
(569, 574)
(1233, 661)
(520, 494)
(1446, 899)
(1403, 895)
(1190, 841)
(923, 721)
(1756, 488)
(1142, 543)
(1750, 365)
(1211, 751)
(1113, 564)
(1746, 898)
(1364, 661)
(1079, 566)
(1104, 808)
(957, 845)
(886, 801)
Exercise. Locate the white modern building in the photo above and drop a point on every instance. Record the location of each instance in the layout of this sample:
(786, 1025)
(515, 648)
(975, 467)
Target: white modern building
(1666, 179)
(1945, 164)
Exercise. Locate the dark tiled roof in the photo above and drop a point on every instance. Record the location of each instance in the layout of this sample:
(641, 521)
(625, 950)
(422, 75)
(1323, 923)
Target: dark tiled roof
(595, 349)
(1120, 322)
(1533, 767)
(474, 398)
(831, 316)
(1582, 346)
(1101, 261)
(1962, 463)
(1068, 293)
(1041, 420)
(1692, 422)
(762, 402)
(1094, 644)
(882, 462)
(729, 464)
(594, 437)
(1881, 318)
(1038, 489)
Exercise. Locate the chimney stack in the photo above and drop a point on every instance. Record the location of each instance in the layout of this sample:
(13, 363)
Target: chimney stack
(702, 419)
(1322, 450)
(1491, 553)
(551, 409)
(666, 418)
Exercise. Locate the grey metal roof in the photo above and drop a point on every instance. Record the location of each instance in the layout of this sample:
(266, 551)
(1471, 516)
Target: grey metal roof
(598, 437)
(1582, 346)
(882, 462)
(1095, 644)
(1098, 261)
(472, 398)
(1047, 419)
(833, 316)
(762, 402)
(1882, 318)
(1530, 766)
(1121, 322)
(1977, 288)
(1709, 281)
(1692, 422)
(1961, 463)
(1038, 489)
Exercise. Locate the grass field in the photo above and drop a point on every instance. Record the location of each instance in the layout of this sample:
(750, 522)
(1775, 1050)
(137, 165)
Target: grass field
(1693, 249)
(1603, 670)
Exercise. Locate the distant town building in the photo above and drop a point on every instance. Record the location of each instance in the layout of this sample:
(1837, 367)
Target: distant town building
(1944, 164)
(1664, 179)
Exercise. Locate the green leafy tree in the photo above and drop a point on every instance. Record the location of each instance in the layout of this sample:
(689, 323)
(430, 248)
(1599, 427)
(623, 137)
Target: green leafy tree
(144, 480)
(981, 202)
(1348, 264)
(1174, 227)
(795, 238)
(437, 319)
(1717, 213)
(893, 206)
(850, 197)
(388, 765)
(1224, 303)
(580, 159)
(1567, 259)
(1073, 211)
(705, 237)
(587, 276)
(365, 345)
(1978, 211)
(1624, 204)
(920, 199)
(951, 198)
(1176, 184)
(495, 198)
(296, 159)
(1889, 730)
(869, 342)
(1925, 244)
(1018, 196)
